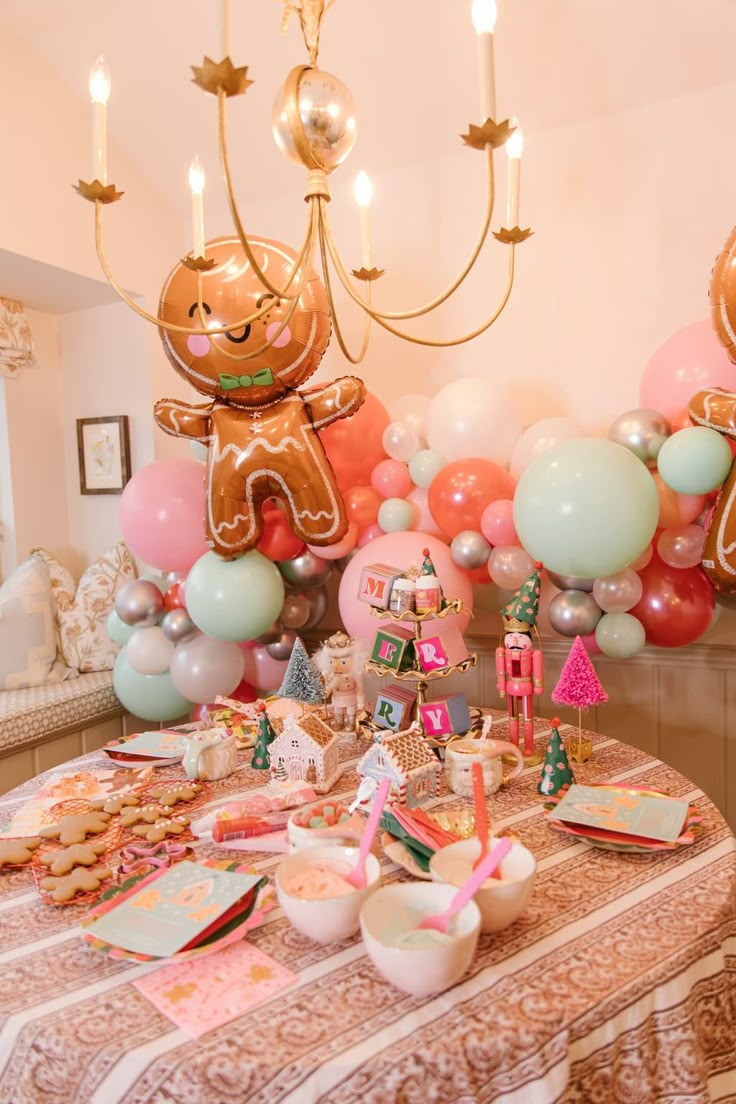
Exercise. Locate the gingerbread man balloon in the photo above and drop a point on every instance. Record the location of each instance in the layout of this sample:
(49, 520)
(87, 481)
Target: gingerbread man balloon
(716, 409)
(261, 432)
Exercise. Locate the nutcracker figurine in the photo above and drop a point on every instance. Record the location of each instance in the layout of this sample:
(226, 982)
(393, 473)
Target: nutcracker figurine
(519, 663)
(340, 661)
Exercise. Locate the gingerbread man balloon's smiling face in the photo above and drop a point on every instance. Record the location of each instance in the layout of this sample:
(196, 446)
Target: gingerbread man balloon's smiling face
(260, 431)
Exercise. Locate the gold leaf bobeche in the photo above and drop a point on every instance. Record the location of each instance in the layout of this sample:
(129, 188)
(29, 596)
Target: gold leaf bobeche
(215, 76)
(489, 134)
(97, 192)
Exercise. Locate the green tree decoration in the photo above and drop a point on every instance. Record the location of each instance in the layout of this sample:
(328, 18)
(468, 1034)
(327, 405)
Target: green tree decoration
(556, 770)
(266, 736)
(302, 681)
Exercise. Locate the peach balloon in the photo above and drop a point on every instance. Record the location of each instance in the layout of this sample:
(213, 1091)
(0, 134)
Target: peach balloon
(676, 509)
(369, 533)
(497, 522)
(362, 505)
(342, 548)
(391, 479)
(354, 450)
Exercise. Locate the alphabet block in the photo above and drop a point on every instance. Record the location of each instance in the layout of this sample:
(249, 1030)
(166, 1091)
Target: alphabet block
(445, 716)
(394, 706)
(393, 648)
(442, 650)
(376, 581)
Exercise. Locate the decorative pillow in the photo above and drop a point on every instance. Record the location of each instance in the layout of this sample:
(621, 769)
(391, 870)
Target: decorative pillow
(27, 635)
(85, 644)
(62, 589)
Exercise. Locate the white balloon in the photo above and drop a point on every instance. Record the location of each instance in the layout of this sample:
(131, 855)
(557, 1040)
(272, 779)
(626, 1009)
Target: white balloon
(537, 438)
(470, 417)
(206, 667)
(411, 409)
(400, 441)
(149, 651)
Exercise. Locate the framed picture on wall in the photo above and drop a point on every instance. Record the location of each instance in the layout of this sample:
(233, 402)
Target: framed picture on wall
(103, 445)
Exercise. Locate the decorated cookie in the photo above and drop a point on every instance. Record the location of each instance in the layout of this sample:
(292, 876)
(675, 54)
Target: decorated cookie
(116, 804)
(171, 795)
(17, 852)
(76, 827)
(79, 854)
(166, 826)
(80, 880)
(146, 814)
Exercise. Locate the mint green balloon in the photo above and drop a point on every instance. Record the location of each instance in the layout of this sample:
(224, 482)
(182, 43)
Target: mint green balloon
(234, 599)
(620, 635)
(425, 465)
(152, 697)
(694, 461)
(395, 515)
(586, 507)
(117, 630)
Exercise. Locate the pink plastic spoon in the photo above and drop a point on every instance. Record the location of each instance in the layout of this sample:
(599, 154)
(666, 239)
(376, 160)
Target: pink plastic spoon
(441, 921)
(356, 877)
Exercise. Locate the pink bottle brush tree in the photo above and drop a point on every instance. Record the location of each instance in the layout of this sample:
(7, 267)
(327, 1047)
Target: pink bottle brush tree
(579, 686)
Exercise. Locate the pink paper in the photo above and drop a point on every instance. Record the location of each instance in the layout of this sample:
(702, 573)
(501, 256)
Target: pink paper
(201, 995)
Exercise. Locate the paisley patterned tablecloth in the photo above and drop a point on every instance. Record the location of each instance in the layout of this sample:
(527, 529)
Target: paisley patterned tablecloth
(618, 984)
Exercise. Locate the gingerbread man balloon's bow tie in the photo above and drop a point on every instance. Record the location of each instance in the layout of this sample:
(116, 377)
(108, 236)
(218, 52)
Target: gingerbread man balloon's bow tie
(262, 378)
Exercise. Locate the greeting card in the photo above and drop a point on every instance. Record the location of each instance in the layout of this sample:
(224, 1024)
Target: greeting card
(616, 809)
(166, 743)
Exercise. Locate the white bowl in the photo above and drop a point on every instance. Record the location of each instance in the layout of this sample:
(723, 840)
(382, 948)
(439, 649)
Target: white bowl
(347, 833)
(500, 901)
(416, 969)
(330, 918)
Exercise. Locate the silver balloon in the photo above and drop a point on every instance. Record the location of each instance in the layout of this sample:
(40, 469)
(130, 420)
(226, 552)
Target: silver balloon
(470, 549)
(281, 649)
(272, 634)
(139, 603)
(642, 432)
(570, 582)
(574, 613)
(318, 601)
(295, 611)
(305, 571)
(178, 626)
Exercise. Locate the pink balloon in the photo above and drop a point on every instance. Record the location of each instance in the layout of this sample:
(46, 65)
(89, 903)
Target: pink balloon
(708, 516)
(497, 522)
(423, 520)
(342, 548)
(400, 550)
(262, 670)
(391, 479)
(162, 514)
(369, 533)
(681, 547)
(591, 644)
(691, 359)
(676, 509)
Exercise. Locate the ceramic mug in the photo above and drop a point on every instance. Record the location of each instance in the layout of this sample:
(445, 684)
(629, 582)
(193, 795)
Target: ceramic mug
(460, 755)
(210, 757)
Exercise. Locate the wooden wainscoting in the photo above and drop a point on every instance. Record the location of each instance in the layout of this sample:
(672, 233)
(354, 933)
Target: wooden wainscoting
(678, 704)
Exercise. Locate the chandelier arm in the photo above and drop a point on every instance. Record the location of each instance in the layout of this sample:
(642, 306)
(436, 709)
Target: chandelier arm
(469, 336)
(419, 311)
(358, 357)
(239, 228)
(293, 303)
(170, 327)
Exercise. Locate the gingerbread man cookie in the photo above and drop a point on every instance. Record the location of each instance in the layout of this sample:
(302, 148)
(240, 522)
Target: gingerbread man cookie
(145, 814)
(116, 803)
(81, 880)
(79, 854)
(76, 827)
(18, 852)
(166, 826)
(261, 432)
(172, 794)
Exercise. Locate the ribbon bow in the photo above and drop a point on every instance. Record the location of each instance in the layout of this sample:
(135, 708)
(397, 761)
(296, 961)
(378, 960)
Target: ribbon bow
(262, 378)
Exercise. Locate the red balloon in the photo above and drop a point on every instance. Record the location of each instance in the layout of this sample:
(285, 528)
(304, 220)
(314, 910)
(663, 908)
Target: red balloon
(278, 542)
(479, 575)
(460, 492)
(202, 712)
(677, 604)
(362, 505)
(174, 597)
(244, 692)
(354, 445)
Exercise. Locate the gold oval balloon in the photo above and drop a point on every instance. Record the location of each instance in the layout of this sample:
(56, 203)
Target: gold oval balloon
(723, 295)
(261, 433)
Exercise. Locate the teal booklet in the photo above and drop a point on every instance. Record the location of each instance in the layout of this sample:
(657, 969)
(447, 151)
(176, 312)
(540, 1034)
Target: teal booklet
(166, 743)
(174, 910)
(625, 812)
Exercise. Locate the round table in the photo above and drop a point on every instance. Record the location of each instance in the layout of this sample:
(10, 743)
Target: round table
(617, 984)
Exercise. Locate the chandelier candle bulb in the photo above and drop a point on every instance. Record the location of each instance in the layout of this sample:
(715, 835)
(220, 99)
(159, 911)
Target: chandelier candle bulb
(363, 191)
(99, 94)
(514, 150)
(484, 22)
(196, 187)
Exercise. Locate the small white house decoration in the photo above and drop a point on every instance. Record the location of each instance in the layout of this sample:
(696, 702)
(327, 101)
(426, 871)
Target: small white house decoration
(407, 761)
(307, 750)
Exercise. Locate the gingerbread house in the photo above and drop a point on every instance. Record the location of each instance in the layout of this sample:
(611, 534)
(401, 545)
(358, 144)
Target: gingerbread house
(306, 749)
(407, 761)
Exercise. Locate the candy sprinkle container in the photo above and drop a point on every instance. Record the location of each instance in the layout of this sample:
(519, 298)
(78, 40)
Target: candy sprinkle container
(325, 822)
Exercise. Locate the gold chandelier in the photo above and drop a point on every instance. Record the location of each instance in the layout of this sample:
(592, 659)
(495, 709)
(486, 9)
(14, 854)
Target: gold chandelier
(314, 124)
